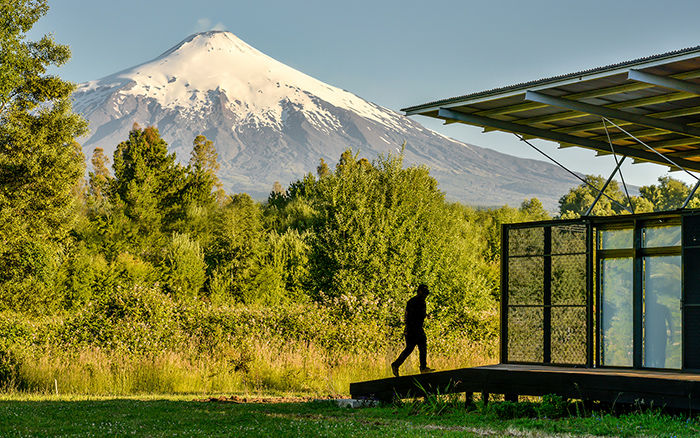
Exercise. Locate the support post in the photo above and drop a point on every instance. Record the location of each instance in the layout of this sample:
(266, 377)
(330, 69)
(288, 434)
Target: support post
(547, 297)
(468, 401)
(504, 292)
(637, 299)
(589, 294)
(485, 398)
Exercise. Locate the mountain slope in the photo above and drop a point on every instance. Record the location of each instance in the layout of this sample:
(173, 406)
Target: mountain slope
(271, 123)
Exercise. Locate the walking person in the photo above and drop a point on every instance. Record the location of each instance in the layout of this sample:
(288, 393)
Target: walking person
(415, 335)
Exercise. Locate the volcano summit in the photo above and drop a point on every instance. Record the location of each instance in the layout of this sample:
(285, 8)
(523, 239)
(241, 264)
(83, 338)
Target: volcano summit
(270, 122)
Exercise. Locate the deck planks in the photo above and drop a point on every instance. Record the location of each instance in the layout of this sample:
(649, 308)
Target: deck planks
(660, 388)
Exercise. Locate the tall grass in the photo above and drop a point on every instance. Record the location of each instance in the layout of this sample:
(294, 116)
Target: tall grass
(254, 366)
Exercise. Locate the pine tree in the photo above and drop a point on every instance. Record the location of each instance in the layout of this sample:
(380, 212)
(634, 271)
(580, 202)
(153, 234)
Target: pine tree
(147, 186)
(204, 186)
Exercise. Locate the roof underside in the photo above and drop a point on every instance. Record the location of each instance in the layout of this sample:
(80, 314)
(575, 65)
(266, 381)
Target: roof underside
(655, 99)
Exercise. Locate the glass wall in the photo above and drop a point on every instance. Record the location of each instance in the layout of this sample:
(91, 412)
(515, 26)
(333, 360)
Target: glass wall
(662, 299)
(615, 298)
(617, 317)
(654, 317)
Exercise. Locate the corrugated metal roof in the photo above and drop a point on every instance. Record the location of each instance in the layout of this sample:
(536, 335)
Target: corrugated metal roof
(555, 79)
(651, 106)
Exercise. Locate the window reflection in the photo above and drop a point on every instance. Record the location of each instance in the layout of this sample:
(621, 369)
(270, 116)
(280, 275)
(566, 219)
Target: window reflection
(616, 312)
(661, 236)
(615, 239)
(662, 312)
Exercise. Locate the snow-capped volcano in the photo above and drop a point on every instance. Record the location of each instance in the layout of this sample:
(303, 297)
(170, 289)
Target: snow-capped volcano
(258, 88)
(270, 122)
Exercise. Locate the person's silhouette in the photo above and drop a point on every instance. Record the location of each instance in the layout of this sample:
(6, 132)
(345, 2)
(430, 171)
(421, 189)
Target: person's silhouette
(414, 333)
(658, 325)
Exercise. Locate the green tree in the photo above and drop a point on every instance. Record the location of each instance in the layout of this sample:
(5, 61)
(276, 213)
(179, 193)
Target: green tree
(203, 167)
(322, 170)
(41, 166)
(148, 188)
(238, 255)
(376, 229)
(577, 201)
(100, 178)
(669, 194)
(184, 270)
(534, 210)
(202, 193)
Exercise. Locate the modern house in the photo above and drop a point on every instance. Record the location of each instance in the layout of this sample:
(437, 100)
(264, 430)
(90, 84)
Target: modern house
(596, 308)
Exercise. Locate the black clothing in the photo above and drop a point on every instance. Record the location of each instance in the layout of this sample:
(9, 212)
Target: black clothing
(413, 340)
(415, 335)
(415, 314)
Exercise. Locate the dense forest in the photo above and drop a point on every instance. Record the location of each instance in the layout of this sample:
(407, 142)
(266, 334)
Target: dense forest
(144, 275)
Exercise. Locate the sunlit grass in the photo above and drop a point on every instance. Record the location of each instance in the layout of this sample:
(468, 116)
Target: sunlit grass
(182, 415)
(258, 367)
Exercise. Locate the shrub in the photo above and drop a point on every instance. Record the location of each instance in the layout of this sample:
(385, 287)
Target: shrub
(10, 366)
(184, 270)
(552, 406)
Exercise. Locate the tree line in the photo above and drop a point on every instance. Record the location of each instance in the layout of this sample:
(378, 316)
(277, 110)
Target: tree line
(353, 239)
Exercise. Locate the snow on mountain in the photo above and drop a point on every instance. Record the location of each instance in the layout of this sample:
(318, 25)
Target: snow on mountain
(271, 122)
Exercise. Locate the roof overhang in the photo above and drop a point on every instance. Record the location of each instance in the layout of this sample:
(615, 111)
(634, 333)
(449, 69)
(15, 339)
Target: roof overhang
(648, 109)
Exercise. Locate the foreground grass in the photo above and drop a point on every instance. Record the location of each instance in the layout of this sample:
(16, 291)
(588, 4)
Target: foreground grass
(183, 416)
(256, 366)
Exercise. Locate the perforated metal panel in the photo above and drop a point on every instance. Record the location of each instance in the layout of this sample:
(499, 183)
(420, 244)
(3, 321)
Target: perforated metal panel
(547, 293)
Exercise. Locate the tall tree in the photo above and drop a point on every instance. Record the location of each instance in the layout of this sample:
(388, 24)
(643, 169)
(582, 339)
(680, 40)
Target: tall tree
(204, 186)
(669, 194)
(40, 163)
(148, 185)
(100, 178)
(579, 199)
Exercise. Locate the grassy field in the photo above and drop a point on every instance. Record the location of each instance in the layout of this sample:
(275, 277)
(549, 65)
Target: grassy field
(256, 366)
(34, 416)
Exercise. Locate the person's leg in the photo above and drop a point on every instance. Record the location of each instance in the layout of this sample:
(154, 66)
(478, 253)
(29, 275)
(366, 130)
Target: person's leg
(423, 350)
(410, 345)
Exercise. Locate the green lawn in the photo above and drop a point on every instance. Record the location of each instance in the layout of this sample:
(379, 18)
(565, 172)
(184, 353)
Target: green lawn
(178, 416)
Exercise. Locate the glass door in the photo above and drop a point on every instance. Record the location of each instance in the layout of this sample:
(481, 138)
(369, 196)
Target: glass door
(662, 298)
(615, 267)
(639, 283)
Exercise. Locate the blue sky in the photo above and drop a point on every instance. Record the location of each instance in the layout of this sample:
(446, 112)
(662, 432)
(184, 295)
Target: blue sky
(395, 53)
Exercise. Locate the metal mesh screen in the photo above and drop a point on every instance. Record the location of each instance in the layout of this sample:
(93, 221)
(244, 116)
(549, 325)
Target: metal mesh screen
(569, 279)
(525, 280)
(568, 239)
(525, 330)
(526, 241)
(547, 293)
(568, 340)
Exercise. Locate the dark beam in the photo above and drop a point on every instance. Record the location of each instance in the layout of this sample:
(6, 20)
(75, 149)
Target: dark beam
(445, 113)
(663, 81)
(662, 115)
(611, 113)
(684, 154)
(643, 101)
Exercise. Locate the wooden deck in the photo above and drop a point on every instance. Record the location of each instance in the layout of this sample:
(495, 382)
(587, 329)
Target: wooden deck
(660, 388)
